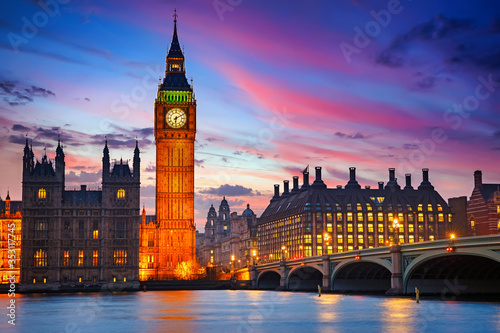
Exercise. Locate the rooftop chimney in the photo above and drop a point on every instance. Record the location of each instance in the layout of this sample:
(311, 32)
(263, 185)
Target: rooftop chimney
(408, 182)
(286, 189)
(318, 183)
(380, 185)
(83, 188)
(295, 188)
(393, 182)
(478, 179)
(353, 183)
(426, 184)
(276, 193)
(305, 185)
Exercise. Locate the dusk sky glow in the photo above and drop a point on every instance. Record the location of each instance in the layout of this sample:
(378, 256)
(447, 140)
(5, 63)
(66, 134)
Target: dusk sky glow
(279, 85)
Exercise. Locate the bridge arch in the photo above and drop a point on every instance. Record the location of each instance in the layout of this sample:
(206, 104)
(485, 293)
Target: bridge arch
(304, 277)
(269, 279)
(452, 274)
(373, 275)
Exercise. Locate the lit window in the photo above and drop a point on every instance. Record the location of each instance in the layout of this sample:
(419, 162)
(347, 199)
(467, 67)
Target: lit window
(42, 194)
(380, 217)
(370, 227)
(340, 249)
(419, 207)
(40, 258)
(409, 217)
(420, 217)
(329, 227)
(124, 279)
(380, 239)
(440, 208)
(319, 239)
(411, 239)
(350, 239)
(120, 194)
(339, 216)
(225, 227)
(370, 217)
(175, 65)
(34, 280)
(349, 216)
(360, 216)
(66, 258)
(360, 240)
(114, 278)
(340, 239)
(319, 250)
(358, 207)
(339, 227)
(429, 208)
(44, 280)
(329, 217)
(95, 258)
(79, 279)
(307, 239)
(95, 234)
(350, 248)
(410, 228)
(441, 217)
(80, 258)
(498, 224)
(308, 251)
(120, 257)
(368, 207)
(431, 237)
(390, 217)
(360, 227)
(380, 228)
(349, 227)
(430, 218)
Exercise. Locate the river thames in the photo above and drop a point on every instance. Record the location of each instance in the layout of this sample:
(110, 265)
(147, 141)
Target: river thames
(243, 311)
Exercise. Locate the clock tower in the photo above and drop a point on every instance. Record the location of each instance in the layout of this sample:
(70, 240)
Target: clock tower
(175, 130)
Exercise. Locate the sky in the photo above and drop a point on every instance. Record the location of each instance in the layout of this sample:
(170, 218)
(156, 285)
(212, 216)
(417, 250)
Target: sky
(280, 85)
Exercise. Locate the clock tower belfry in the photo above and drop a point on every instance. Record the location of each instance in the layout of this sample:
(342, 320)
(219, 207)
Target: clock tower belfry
(175, 130)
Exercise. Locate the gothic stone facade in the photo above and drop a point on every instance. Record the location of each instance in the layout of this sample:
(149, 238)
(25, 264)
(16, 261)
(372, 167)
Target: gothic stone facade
(10, 240)
(79, 238)
(229, 239)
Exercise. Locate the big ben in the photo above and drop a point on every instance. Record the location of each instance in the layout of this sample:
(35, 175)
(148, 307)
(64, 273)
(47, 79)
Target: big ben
(175, 131)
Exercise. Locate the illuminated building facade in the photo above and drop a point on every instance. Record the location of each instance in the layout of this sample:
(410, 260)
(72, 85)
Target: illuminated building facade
(483, 210)
(10, 239)
(175, 131)
(315, 220)
(229, 238)
(148, 248)
(79, 238)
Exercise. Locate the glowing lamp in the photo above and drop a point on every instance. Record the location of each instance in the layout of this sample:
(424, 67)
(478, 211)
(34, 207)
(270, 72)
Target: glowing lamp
(357, 257)
(450, 249)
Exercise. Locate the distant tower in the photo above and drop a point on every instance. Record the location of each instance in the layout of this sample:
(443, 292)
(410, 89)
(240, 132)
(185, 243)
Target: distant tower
(175, 130)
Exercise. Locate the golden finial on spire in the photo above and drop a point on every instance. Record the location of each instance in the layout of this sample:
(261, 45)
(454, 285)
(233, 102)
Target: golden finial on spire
(175, 15)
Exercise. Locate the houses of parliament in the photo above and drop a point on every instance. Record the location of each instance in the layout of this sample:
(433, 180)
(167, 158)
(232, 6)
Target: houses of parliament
(96, 238)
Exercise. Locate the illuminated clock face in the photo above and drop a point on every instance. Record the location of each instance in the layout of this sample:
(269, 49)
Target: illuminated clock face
(176, 118)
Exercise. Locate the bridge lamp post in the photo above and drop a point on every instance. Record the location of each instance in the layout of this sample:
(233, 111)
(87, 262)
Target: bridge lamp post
(283, 250)
(327, 238)
(395, 226)
(254, 255)
(301, 251)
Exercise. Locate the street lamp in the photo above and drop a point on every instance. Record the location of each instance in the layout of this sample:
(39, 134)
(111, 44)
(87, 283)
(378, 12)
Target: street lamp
(283, 250)
(254, 255)
(301, 252)
(395, 226)
(326, 237)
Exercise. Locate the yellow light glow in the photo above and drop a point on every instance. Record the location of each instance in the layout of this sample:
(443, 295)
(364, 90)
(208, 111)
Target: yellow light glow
(452, 236)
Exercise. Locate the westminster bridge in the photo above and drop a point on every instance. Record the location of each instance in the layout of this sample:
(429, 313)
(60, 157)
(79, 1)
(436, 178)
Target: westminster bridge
(452, 266)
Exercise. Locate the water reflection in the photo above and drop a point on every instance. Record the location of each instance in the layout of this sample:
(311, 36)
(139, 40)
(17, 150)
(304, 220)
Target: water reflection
(398, 313)
(245, 311)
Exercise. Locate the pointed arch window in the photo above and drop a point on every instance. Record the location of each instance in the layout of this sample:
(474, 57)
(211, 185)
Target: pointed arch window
(120, 194)
(40, 258)
(42, 193)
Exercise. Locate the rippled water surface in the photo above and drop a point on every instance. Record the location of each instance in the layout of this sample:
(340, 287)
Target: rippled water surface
(243, 311)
